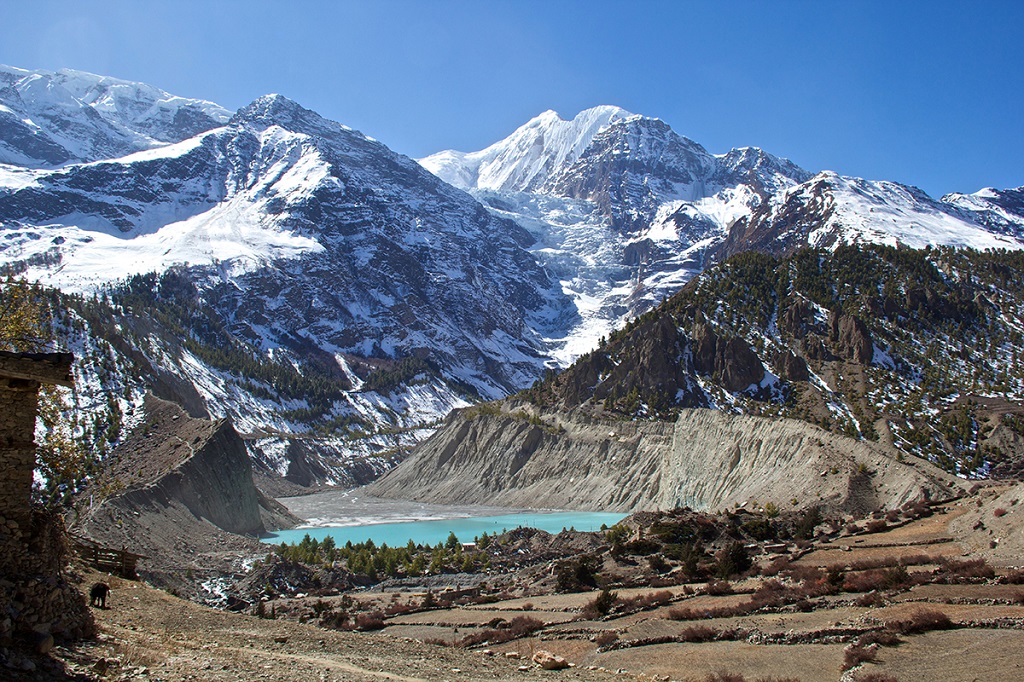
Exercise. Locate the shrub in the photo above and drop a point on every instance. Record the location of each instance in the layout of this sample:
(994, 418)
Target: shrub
(606, 638)
(684, 613)
(718, 587)
(872, 598)
(372, 620)
(731, 560)
(601, 605)
(999, 512)
(875, 525)
(1015, 577)
(646, 601)
(922, 620)
(576, 574)
(954, 570)
(698, 633)
(520, 626)
(855, 654)
(436, 641)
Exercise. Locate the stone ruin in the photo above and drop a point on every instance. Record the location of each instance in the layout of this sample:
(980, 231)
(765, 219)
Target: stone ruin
(38, 602)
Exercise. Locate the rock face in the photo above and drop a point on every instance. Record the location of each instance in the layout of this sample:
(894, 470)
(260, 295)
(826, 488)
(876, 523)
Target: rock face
(706, 460)
(852, 338)
(189, 489)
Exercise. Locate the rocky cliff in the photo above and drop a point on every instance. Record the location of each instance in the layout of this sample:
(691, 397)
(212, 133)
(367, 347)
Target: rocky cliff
(706, 459)
(177, 489)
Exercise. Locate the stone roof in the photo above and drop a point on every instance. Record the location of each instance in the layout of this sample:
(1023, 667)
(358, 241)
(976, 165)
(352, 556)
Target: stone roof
(46, 368)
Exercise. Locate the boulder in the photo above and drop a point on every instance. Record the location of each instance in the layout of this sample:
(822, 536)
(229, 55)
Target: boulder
(550, 661)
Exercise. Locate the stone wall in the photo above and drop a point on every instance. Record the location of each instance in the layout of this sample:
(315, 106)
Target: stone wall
(38, 601)
(18, 400)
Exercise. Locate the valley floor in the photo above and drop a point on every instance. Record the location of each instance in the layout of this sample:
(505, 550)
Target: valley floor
(961, 628)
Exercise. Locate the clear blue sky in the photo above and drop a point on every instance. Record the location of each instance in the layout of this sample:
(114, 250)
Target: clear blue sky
(926, 93)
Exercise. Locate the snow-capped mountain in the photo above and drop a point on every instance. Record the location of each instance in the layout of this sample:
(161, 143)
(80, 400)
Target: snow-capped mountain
(524, 160)
(1000, 211)
(830, 210)
(289, 272)
(295, 243)
(624, 210)
(313, 231)
(49, 119)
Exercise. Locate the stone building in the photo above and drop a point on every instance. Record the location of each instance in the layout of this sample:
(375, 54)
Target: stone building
(37, 601)
(21, 375)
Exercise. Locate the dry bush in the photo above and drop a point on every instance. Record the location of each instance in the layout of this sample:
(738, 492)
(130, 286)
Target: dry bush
(1015, 577)
(436, 641)
(876, 525)
(518, 627)
(724, 677)
(372, 620)
(399, 608)
(776, 566)
(999, 512)
(698, 633)
(646, 601)
(954, 571)
(606, 638)
(801, 573)
(684, 613)
(855, 654)
(922, 620)
(873, 598)
(736, 677)
(890, 578)
(718, 587)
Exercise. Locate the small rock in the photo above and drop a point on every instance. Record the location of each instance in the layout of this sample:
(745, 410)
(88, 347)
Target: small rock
(550, 661)
(523, 668)
(511, 654)
(281, 639)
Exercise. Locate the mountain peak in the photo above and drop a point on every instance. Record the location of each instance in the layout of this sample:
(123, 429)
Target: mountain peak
(271, 107)
(524, 160)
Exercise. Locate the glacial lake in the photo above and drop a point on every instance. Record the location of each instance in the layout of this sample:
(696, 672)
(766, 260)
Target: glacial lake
(433, 531)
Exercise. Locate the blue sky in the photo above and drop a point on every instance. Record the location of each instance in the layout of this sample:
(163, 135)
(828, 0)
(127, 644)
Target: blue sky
(926, 93)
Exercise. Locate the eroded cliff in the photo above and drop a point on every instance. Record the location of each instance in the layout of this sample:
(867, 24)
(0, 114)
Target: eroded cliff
(706, 460)
(179, 489)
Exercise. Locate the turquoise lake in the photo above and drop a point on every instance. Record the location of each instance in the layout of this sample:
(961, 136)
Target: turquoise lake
(435, 531)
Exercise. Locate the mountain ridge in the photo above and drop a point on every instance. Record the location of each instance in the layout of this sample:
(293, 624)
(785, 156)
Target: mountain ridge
(277, 246)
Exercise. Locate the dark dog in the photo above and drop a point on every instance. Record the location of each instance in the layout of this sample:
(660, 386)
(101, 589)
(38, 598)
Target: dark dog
(98, 595)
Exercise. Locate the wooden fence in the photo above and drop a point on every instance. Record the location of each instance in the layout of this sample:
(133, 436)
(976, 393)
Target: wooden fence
(119, 561)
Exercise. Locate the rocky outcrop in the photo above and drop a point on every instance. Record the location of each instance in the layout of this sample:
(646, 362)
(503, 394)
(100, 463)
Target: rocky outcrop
(706, 460)
(851, 338)
(729, 358)
(186, 487)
